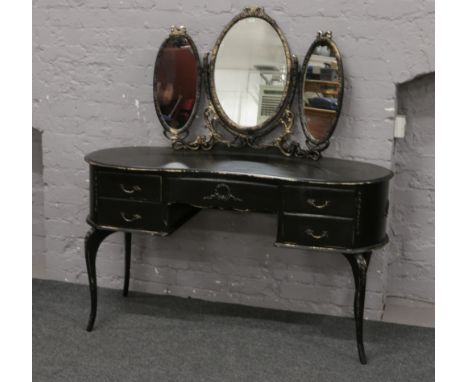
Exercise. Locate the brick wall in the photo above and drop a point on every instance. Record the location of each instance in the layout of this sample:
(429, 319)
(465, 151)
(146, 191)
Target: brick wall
(411, 264)
(92, 88)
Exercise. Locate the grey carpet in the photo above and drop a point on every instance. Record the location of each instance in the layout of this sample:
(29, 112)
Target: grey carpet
(160, 338)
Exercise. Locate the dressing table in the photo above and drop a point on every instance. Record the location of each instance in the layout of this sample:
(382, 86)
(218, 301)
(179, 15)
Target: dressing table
(320, 203)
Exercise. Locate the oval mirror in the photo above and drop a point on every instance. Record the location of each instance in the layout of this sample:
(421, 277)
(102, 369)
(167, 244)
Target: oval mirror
(176, 82)
(250, 72)
(321, 92)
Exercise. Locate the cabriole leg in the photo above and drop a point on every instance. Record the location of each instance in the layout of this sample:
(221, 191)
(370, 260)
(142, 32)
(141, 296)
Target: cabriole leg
(93, 239)
(128, 257)
(359, 264)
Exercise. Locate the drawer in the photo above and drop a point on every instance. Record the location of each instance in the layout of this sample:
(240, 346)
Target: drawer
(124, 185)
(223, 193)
(317, 231)
(323, 201)
(130, 214)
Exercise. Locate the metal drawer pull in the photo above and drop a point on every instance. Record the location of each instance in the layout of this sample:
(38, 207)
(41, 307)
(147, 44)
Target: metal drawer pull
(132, 219)
(129, 190)
(314, 203)
(311, 233)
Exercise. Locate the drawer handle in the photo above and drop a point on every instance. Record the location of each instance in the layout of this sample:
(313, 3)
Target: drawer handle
(311, 233)
(131, 219)
(131, 190)
(314, 203)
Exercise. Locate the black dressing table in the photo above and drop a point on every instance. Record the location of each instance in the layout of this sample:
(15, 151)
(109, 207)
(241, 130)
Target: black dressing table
(248, 158)
(331, 204)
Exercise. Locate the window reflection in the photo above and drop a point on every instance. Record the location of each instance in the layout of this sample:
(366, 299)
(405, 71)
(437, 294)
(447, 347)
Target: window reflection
(250, 72)
(322, 86)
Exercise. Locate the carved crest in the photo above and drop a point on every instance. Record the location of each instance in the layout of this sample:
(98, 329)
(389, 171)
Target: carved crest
(252, 12)
(178, 30)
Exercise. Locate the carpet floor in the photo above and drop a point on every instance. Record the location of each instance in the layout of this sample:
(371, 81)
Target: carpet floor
(161, 338)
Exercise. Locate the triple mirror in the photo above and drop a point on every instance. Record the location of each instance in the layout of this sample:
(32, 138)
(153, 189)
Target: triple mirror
(251, 78)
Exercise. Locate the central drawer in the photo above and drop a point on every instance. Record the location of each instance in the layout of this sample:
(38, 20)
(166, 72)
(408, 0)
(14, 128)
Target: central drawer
(222, 193)
(129, 186)
(316, 231)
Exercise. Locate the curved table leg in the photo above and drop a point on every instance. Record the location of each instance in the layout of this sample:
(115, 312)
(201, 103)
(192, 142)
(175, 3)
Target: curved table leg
(93, 239)
(128, 255)
(359, 264)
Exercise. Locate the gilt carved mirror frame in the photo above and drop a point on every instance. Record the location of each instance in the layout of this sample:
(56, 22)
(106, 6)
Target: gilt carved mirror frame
(288, 89)
(323, 39)
(222, 131)
(177, 35)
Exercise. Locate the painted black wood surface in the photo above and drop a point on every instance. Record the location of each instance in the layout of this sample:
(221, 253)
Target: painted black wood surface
(328, 205)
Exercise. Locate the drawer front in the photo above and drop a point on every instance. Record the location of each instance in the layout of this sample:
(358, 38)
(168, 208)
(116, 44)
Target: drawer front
(323, 201)
(124, 185)
(223, 193)
(317, 231)
(130, 214)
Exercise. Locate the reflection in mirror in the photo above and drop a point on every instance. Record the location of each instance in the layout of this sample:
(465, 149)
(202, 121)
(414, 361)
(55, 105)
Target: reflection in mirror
(322, 89)
(176, 81)
(250, 72)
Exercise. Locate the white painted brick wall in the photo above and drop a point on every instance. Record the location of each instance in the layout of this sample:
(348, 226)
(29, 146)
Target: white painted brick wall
(92, 88)
(411, 265)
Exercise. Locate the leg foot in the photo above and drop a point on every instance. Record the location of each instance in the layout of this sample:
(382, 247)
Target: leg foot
(128, 255)
(93, 239)
(359, 264)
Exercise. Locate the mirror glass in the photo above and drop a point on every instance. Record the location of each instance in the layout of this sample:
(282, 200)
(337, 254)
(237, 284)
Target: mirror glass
(175, 82)
(250, 73)
(322, 90)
